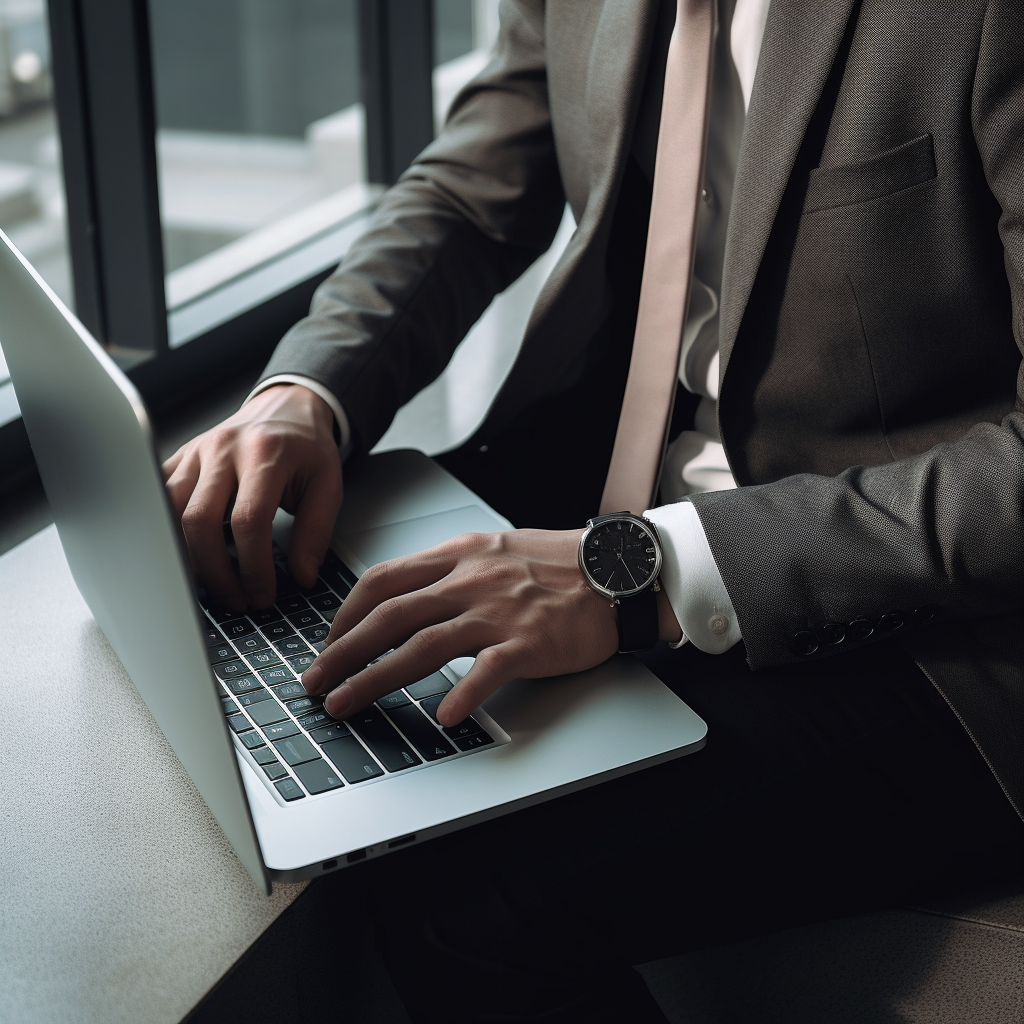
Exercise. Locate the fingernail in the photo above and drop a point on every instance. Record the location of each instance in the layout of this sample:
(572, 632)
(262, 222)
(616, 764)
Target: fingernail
(339, 701)
(313, 678)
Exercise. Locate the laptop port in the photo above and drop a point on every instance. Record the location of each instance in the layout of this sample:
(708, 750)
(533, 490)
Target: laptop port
(356, 855)
(328, 864)
(401, 841)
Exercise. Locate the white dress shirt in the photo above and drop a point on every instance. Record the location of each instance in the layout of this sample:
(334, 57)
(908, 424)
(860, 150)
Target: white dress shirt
(696, 460)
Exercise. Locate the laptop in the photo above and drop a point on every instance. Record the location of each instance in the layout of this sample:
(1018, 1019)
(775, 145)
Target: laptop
(296, 792)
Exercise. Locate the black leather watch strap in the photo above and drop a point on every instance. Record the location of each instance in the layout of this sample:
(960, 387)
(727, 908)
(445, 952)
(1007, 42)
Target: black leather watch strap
(638, 621)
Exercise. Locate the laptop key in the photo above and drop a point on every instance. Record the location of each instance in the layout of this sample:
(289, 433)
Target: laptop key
(334, 731)
(252, 697)
(354, 763)
(315, 720)
(467, 727)
(289, 789)
(276, 630)
(291, 646)
(229, 669)
(480, 739)
(293, 603)
(275, 770)
(221, 652)
(263, 659)
(304, 705)
(264, 617)
(234, 629)
(243, 684)
(213, 635)
(276, 674)
(251, 739)
(267, 712)
(324, 603)
(421, 733)
(318, 776)
(279, 732)
(229, 706)
(300, 662)
(315, 634)
(249, 644)
(379, 735)
(397, 699)
(264, 755)
(307, 617)
(433, 684)
(290, 690)
(238, 722)
(296, 749)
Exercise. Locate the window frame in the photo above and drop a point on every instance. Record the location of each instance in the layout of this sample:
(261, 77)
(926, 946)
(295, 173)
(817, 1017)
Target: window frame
(105, 107)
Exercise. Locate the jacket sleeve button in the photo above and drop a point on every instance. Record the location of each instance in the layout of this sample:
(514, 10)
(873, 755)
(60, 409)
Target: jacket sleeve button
(805, 642)
(834, 633)
(890, 622)
(926, 613)
(859, 629)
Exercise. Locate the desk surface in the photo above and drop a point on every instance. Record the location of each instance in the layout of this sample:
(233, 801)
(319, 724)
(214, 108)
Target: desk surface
(121, 898)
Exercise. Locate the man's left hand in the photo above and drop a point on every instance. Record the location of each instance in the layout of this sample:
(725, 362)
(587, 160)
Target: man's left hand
(517, 601)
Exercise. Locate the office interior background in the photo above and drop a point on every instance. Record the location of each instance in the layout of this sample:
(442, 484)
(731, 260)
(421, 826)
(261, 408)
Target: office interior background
(184, 173)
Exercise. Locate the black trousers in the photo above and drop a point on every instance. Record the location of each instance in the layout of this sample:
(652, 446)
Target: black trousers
(825, 789)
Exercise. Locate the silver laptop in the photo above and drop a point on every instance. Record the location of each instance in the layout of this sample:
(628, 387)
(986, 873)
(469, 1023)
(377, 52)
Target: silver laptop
(296, 793)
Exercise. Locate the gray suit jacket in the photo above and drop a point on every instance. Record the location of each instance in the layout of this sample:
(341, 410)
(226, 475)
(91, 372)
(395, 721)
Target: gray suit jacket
(872, 395)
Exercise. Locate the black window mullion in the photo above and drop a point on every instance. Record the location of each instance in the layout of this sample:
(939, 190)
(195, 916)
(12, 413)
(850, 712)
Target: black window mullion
(396, 50)
(104, 96)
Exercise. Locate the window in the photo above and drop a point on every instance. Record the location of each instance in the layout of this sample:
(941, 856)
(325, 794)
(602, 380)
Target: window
(31, 184)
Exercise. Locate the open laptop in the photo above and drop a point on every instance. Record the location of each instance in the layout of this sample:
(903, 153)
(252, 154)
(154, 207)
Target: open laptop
(296, 793)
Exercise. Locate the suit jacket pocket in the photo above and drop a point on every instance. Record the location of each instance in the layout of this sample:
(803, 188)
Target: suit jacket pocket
(907, 164)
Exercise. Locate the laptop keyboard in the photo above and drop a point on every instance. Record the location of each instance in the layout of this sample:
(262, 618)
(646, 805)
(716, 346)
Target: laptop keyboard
(302, 750)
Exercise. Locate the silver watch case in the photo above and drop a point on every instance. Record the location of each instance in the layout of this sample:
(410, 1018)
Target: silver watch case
(614, 595)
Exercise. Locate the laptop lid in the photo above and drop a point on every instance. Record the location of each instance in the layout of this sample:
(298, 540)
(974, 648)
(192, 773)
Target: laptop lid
(93, 445)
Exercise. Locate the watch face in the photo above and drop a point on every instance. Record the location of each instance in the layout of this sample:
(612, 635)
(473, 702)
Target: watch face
(620, 556)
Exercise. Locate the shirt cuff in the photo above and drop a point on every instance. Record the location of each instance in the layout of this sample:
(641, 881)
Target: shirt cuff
(344, 428)
(691, 580)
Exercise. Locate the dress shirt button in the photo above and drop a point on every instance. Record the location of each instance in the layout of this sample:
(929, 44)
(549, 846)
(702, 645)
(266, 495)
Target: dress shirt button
(890, 622)
(859, 629)
(805, 642)
(718, 624)
(834, 633)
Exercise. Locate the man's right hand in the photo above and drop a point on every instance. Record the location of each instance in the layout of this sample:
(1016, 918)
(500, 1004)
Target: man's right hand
(277, 451)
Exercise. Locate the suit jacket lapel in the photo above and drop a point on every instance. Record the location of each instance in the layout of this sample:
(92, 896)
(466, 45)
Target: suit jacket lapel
(800, 45)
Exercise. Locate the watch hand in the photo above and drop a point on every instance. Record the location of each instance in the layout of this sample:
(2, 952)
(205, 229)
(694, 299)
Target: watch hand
(628, 573)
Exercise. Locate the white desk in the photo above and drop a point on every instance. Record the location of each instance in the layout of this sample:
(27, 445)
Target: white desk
(120, 899)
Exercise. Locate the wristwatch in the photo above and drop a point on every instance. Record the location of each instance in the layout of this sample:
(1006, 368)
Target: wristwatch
(620, 558)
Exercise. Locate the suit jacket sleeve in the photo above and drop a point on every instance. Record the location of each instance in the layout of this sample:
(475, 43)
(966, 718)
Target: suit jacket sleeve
(469, 216)
(943, 528)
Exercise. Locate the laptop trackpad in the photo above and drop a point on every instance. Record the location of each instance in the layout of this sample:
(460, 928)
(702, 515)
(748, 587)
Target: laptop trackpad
(410, 535)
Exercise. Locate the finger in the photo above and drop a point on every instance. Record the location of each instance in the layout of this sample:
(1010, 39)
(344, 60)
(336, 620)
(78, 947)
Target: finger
(493, 668)
(390, 625)
(387, 580)
(203, 523)
(423, 653)
(181, 483)
(252, 520)
(314, 524)
(172, 463)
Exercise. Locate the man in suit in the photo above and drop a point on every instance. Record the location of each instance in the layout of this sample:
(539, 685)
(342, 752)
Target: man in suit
(866, 736)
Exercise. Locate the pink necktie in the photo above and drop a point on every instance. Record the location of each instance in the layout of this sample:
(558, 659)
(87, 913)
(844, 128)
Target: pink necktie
(642, 432)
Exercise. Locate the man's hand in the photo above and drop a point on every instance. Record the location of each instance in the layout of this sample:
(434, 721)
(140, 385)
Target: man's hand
(276, 451)
(517, 601)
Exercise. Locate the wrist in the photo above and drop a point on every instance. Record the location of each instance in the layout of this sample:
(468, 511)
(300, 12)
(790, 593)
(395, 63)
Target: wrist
(669, 629)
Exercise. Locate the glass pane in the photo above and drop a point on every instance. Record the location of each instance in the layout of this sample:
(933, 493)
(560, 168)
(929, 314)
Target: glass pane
(464, 33)
(260, 132)
(31, 184)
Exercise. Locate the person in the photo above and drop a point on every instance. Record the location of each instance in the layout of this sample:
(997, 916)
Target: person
(840, 502)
